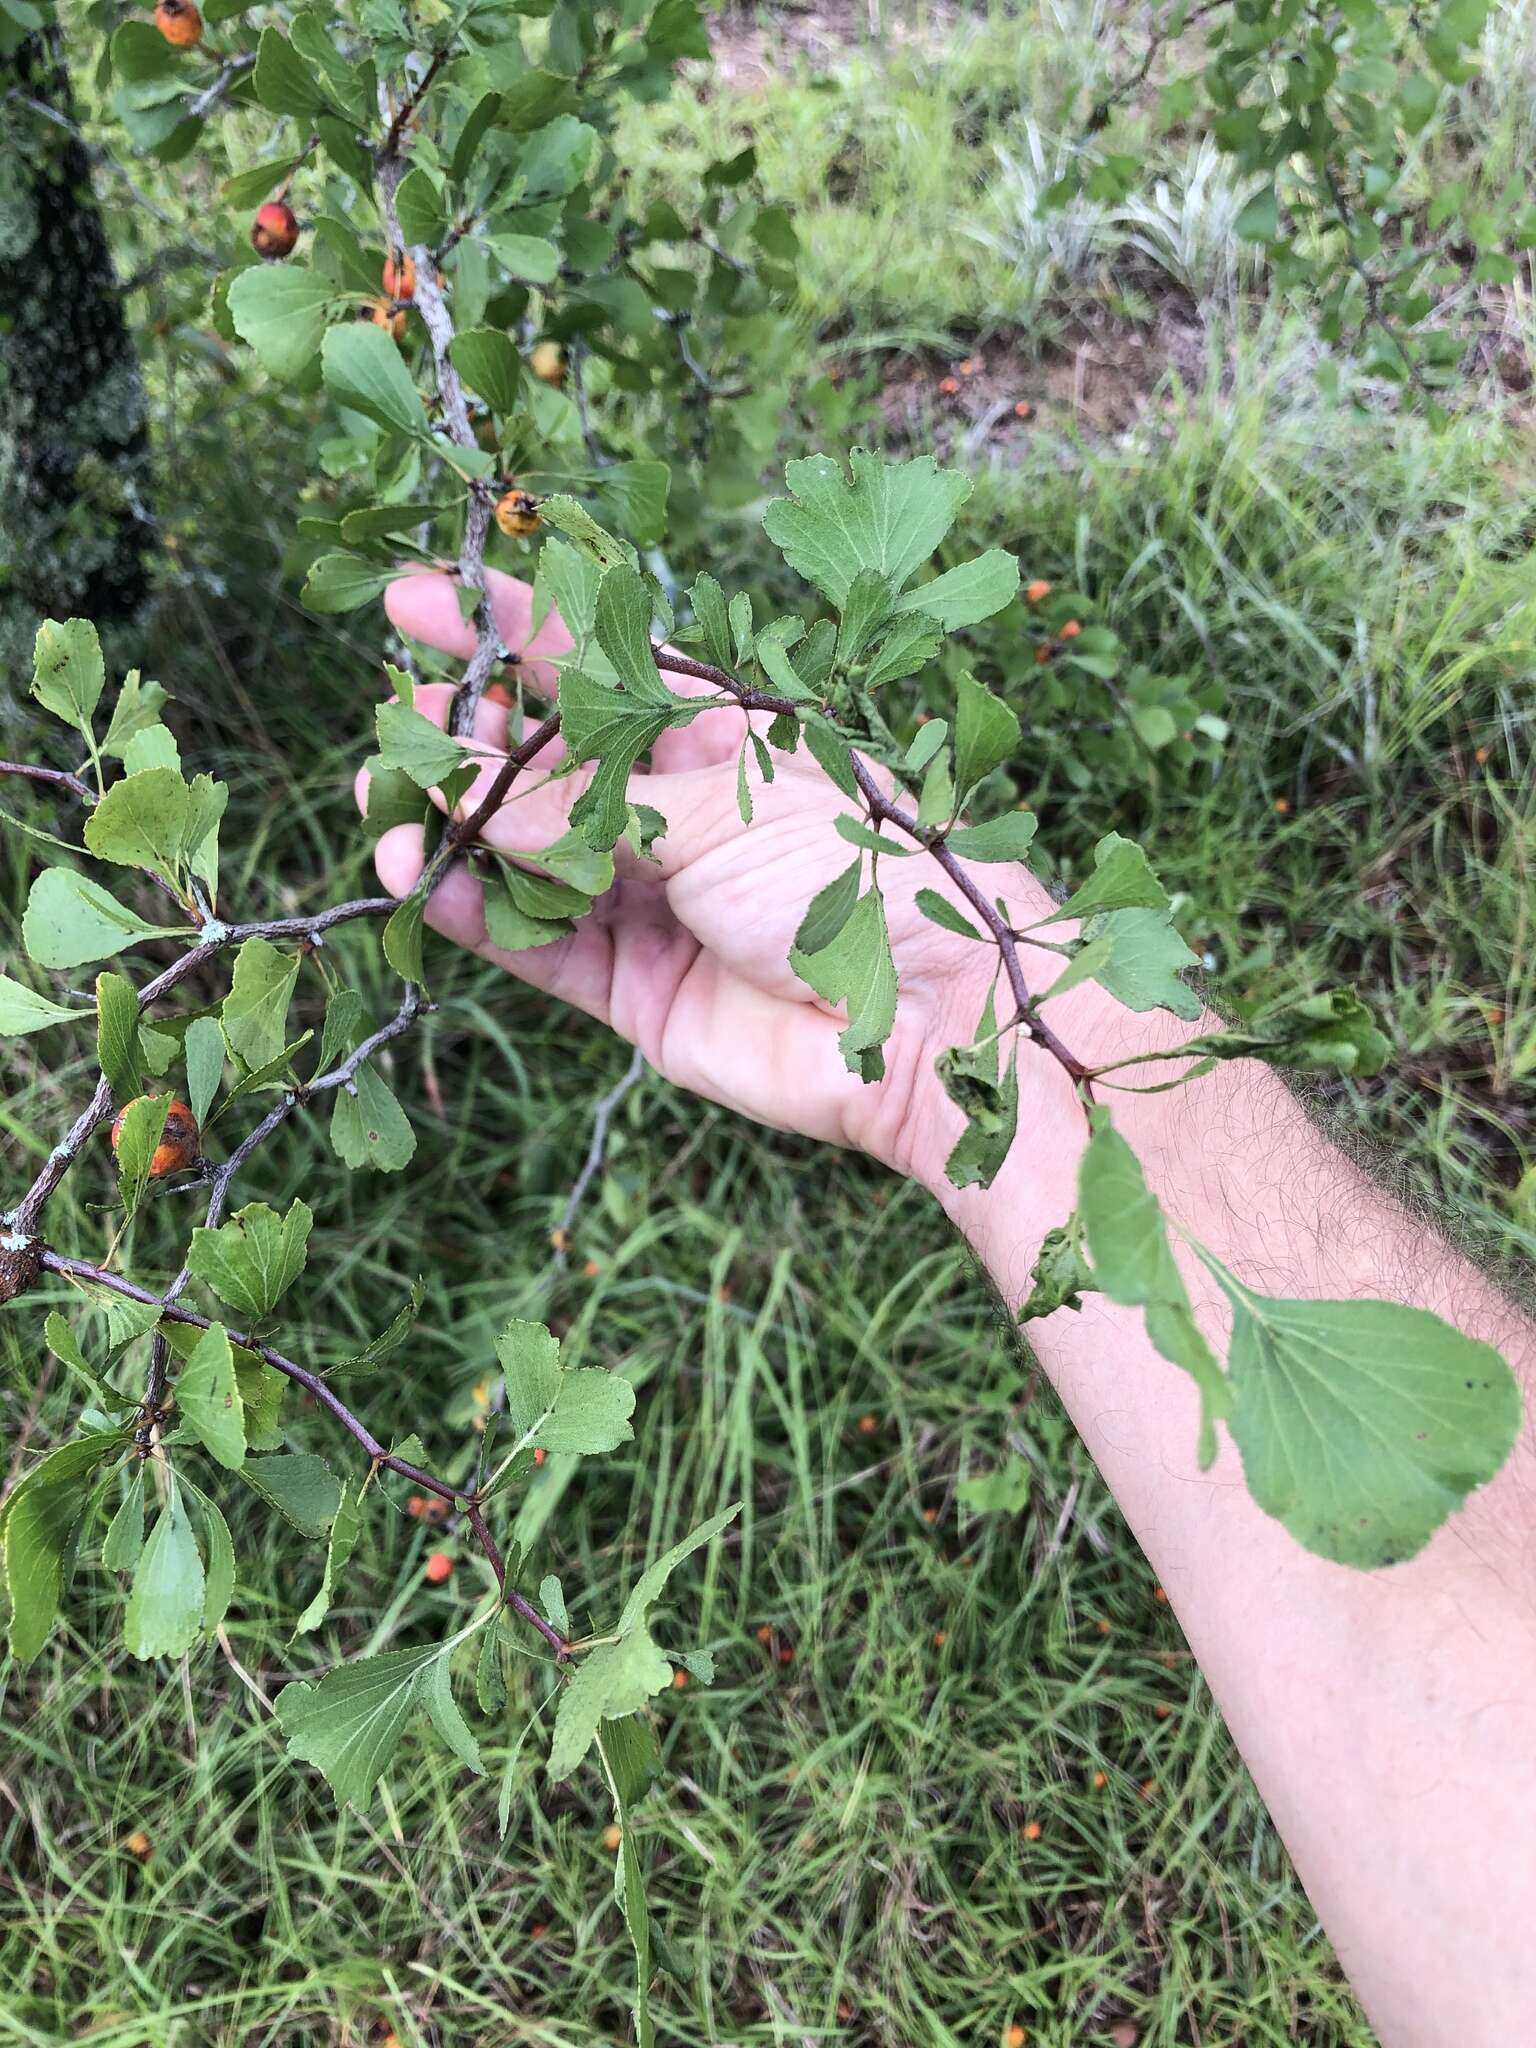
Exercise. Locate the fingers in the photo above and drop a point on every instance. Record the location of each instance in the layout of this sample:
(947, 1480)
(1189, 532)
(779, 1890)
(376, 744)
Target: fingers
(577, 970)
(425, 606)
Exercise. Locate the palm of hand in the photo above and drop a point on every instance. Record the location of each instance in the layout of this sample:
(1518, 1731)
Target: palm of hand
(687, 955)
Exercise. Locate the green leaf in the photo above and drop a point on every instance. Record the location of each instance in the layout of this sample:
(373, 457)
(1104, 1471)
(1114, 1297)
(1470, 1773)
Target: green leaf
(985, 1088)
(402, 938)
(68, 673)
(70, 921)
(967, 594)
(1122, 880)
(388, 1340)
(1144, 962)
(143, 822)
(621, 622)
(986, 735)
(248, 187)
(422, 209)
(1008, 838)
(118, 1048)
(864, 611)
(613, 1680)
(613, 728)
(261, 1393)
(1362, 1424)
(1060, 1274)
(582, 1412)
(831, 753)
(890, 518)
(529, 257)
(857, 833)
(138, 1137)
(138, 707)
(940, 911)
(436, 1693)
(634, 496)
(282, 81)
(22, 1010)
(252, 1260)
(1259, 219)
(412, 743)
(281, 310)
(203, 1050)
(362, 369)
(1133, 1264)
(342, 583)
(123, 1543)
(910, 645)
(165, 1603)
(208, 1398)
(489, 364)
(345, 1530)
(38, 1518)
(828, 911)
(255, 1011)
(65, 1346)
(349, 1725)
(857, 968)
(299, 1485)
(652, 1581)
(1003, 1492)
(219, 1550)
(369, 1128)
(1331, 1033)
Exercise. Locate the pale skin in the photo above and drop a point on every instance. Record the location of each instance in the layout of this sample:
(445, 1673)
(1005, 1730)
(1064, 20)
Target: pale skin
(1389, 1718)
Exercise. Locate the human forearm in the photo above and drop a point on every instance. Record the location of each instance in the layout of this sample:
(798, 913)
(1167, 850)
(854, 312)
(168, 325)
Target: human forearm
(1384, 1714)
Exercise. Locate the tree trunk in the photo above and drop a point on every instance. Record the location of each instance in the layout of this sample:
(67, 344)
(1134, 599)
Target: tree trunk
(75, 531)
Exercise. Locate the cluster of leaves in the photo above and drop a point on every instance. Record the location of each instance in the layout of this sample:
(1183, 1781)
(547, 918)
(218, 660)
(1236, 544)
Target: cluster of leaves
(1321, 110)
(1360, 1425)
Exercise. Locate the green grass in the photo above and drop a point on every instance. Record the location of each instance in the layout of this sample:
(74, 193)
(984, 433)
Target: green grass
(841, 1841)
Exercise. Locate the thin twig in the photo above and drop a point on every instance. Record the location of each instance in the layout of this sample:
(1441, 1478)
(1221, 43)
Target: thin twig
(321, 1391)
(60, 777)
(602, 1116)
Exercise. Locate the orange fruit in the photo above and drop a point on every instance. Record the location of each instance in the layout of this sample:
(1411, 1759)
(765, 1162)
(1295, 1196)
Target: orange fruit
(517, 514)
(274, 231)
(439, 1566)
(179, 1143)
(180, 23)
(399, 278)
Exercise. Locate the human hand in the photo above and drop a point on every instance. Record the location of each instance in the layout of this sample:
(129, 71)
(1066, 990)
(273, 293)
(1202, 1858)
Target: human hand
(687, 954)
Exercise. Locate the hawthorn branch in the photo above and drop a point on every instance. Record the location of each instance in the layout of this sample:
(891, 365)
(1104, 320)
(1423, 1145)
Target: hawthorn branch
(60, 778)
(233, 68)
(320, 1390)
(389, 165)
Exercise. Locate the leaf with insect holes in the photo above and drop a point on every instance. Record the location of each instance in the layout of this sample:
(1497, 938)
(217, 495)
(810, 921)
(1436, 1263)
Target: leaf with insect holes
(22, 1010)
(368, 1126)
(70, 920)
(37, 1522)
(252, 1260)
(550, 1407)
(208, 1398)
(1133, 1264)
(68, 673)
(1060, 1275)
(856, 967)
(1362, 1424)
(983, 1084)
(165, 1602)
(1331, 1033)
(889, 517)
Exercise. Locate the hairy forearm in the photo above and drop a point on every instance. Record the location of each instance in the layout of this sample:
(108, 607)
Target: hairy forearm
(1385, 1715)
